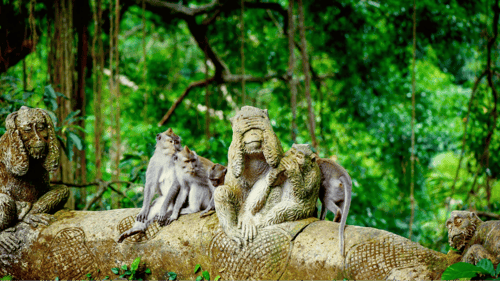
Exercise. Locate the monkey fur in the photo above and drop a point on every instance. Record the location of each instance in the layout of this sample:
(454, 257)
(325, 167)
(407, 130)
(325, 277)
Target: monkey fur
(217, 174)
(335, 194)
(161, 180)
(194, 184)
(28, 153)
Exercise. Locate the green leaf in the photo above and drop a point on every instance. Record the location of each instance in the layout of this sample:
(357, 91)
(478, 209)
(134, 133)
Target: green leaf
(69, 146)
(487, 265)
(6, 277)
(121, 276)
(461, 270)
(27, 94)
(206, 275)
(57, 279)
(148, 271)
(124, 267)
(172, 276)
(199, 278)
(135, 264)
(107, 277)
(498, 270)
(127, 272)
(197, 267)
(115, 270)
(217, 278)
(49, 92)
(70, 118)
(78, 142)
(89, 275)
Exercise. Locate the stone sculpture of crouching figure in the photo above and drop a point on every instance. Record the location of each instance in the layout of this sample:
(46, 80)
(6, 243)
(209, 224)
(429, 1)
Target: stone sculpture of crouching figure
(28, 152)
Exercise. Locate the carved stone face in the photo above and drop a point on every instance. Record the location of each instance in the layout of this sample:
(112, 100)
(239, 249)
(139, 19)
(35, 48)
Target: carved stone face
(253, 141)
(34, 132)
(461, 228)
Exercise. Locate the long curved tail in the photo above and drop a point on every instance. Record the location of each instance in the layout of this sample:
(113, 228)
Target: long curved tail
(346, 181)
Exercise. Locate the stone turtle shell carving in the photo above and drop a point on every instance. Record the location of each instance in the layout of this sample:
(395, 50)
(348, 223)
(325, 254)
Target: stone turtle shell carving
(150, 233)
(265, 258)
(68, 256)
(377, 259)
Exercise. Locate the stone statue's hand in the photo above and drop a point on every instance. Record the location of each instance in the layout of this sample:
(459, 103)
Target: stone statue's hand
(292, 167)
(35, 219)
(8, 240)
(248, 230)
(143, 215)
(22, 209)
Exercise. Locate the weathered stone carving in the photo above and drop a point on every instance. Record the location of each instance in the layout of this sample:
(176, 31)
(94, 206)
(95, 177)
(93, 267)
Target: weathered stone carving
(475, 239)
(28, 152)
(254, 151)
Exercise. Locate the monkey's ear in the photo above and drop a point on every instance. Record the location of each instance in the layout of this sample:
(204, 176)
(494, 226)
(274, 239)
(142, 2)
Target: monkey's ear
(10, 122)
(16, 158)
(51, 162)
(169, 131)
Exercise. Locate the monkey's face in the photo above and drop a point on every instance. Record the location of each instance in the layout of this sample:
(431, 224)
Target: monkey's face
(167, 143)
(34, 132)
(188, 162)
(252, 140)
(461, 228)
(217, 174)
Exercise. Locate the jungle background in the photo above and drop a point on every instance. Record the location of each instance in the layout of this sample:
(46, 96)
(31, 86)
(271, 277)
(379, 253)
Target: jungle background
(335, 74)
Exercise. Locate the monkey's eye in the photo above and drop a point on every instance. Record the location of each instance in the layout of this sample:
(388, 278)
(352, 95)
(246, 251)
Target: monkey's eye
(40, 126)
(27, 129)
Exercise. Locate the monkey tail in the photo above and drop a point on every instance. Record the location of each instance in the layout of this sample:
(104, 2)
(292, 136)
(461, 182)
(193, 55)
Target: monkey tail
(346, 181)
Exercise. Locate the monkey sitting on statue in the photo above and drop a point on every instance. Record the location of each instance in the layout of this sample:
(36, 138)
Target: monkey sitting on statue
(194, 184)
(28, 153)
(473, 238)
(160, 179)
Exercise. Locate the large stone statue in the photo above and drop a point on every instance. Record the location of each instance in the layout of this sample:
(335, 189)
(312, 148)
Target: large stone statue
(28, 152)
(254, 151)
(473, 238)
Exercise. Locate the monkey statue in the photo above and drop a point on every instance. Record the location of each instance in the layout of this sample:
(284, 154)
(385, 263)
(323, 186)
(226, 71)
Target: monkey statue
(194, 184)
(254, 151)
(473, 238)
(28, 153)
(161, 179)
(299, 193)
(335, 193)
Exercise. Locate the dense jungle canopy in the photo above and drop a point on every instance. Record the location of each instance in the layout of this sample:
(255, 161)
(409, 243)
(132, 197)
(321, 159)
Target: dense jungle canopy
(336, 74)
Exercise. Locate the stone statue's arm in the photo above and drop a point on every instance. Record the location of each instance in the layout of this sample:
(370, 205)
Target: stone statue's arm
(51, 201)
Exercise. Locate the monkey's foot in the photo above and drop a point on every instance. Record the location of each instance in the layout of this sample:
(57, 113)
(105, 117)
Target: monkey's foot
(129, 233)
(162, 218)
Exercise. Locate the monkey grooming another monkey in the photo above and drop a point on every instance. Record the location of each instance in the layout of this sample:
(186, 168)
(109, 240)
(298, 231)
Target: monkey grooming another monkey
(335, 193)
(161, 179)
(194, 184)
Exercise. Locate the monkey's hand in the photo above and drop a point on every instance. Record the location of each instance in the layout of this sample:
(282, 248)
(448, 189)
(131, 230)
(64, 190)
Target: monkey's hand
(35, 219)
(292, 167)
(162, 217)
(143, 215)
(8, 240)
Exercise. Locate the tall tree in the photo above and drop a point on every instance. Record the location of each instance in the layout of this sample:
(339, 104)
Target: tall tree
(307, 75)
(291, 69)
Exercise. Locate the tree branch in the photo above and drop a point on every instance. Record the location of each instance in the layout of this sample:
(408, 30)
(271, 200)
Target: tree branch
(181, 9)
(489, 215)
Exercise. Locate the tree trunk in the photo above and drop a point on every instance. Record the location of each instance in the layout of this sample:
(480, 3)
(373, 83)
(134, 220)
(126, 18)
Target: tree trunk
(291, 67)
(307, 75)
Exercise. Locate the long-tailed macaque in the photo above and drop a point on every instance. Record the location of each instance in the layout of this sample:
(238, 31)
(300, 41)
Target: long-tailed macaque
(194, 184)
(217, 174)
(335, 193)
(160, 179)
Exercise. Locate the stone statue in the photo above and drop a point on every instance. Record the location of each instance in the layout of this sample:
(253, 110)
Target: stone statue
(28, 152)
(254, 151)
(473, 238)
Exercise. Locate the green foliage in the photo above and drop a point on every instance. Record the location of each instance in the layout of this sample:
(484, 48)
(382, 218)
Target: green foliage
(461, 270)
(7, 277)
(205, 275)
(133, 272)
(172, 276)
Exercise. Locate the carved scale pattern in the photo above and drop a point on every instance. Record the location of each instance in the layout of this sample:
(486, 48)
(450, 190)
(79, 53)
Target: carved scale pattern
(68, 257)
(376, 259)
(127, 223)
(265, 258)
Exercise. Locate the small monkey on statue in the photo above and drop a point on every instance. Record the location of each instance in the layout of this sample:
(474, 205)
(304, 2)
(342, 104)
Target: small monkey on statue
(160, 179)
(194, 184)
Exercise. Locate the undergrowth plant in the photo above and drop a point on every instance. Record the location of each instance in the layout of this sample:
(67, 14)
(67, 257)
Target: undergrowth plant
(465, 271)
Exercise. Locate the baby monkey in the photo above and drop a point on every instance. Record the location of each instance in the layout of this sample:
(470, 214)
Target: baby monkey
(160, 179)
(194, 184)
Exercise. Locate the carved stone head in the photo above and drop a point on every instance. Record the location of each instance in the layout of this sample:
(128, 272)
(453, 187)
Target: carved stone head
(461, 228)
(252, 134)
(30, 134)
(302, 153)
